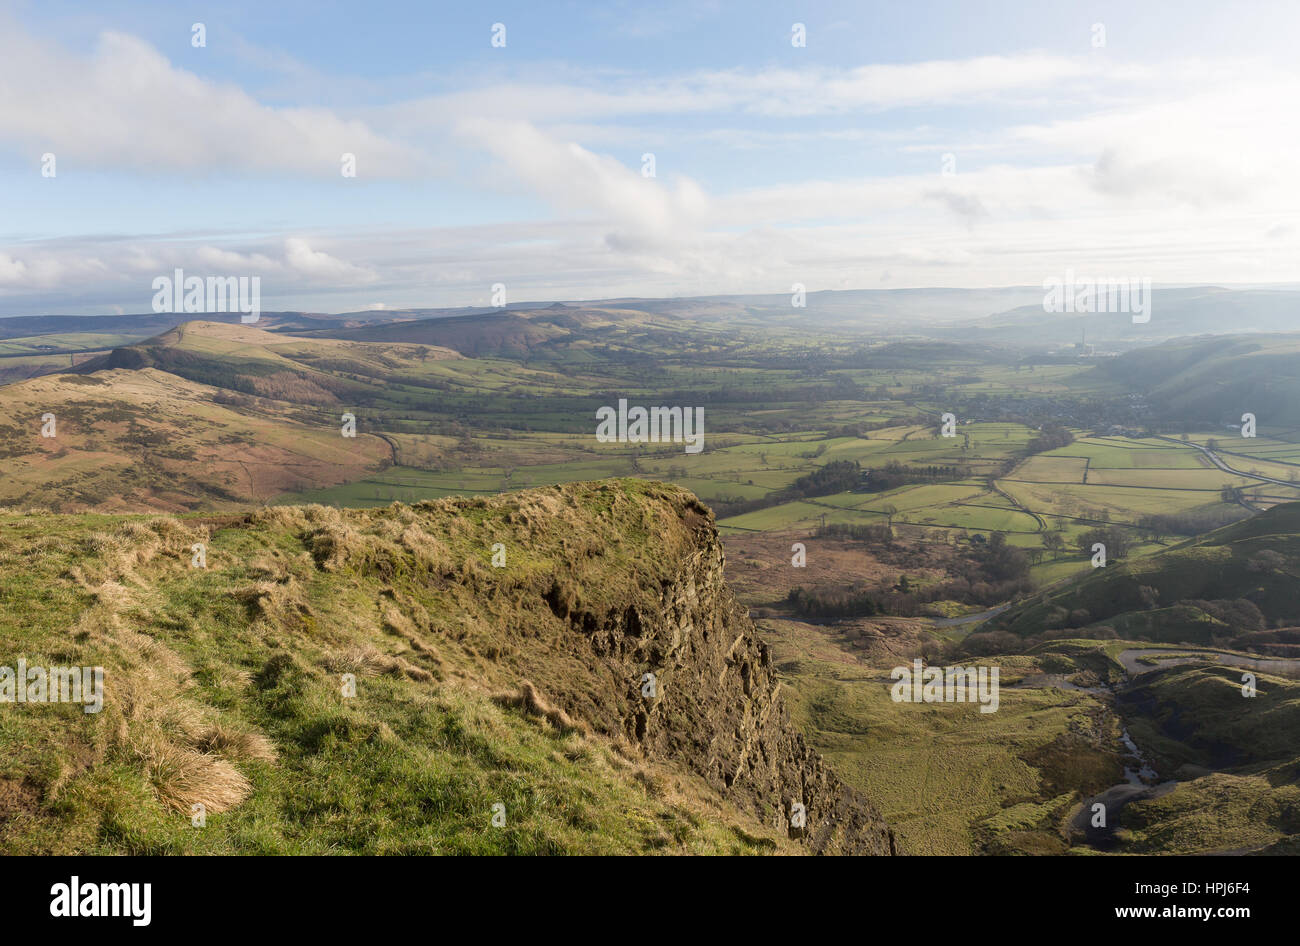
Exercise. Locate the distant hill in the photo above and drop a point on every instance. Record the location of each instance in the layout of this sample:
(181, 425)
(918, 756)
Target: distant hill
(146, 324)
(206, 414)
(146, 439)
(1213, 380)
(1011, 316)
(553, 331)
(246, 359)
(1174, 313)
(497, 333)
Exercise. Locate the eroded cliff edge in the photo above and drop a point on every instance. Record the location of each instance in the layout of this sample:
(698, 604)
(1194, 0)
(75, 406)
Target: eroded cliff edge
(495, 655)
(635, 586)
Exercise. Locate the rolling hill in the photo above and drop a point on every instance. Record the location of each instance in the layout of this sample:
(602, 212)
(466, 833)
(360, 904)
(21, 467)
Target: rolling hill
(146, 439)
(1232, 585)
(1214, 380)
(205, 415)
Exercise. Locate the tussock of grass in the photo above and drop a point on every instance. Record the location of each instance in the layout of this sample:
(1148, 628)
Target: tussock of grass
(531, 702)
(366, 661)
(184, 777)
(226, 739)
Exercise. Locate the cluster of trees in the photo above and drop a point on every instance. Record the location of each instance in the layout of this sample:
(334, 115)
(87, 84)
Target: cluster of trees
(1266, 560)
(1116, 541)
(991, 574)
(838, 476)
(877, 535)
(1051, 438)
(894, 475)
(999, 561)
(1192, 522)
(832, 604)
(1282, 642)
(1240, 614)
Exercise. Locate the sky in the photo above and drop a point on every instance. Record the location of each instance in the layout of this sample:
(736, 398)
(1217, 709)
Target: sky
(965, 144)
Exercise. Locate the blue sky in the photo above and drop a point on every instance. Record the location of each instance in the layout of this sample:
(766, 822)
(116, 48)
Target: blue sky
(1166, 152)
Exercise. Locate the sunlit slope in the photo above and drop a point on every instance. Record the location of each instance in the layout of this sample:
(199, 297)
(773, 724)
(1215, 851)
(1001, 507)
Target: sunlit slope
(248, 360)
(148, 439)
(519, 684)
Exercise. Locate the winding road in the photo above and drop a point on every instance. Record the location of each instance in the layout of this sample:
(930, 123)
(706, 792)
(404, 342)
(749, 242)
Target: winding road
(970, 618)
(1133, 665)
(1217, 461)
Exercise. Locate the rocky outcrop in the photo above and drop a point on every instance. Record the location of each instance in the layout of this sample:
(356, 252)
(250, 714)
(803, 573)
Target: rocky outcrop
(714, 703)
(660, 653)
(608, 604)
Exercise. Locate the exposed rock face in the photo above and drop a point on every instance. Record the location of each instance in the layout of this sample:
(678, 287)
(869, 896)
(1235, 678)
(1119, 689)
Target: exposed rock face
(718, 708)
(605, 584)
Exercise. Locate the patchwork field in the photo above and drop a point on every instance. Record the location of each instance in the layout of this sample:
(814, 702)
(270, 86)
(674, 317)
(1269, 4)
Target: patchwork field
(435, 420)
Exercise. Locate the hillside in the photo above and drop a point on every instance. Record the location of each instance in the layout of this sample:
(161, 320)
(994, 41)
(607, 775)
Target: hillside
(476, 686)
(552, 332)
(133, 440)
(255, 362)
(1192, 592)
(494, 333)
(1237, 761)
(1214, 380)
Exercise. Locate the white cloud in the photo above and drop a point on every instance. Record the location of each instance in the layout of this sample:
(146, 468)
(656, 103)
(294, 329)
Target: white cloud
(124, 268)
(773, 91)
(301, 258)
(129, 107)
(574, 179)
(1171, 169)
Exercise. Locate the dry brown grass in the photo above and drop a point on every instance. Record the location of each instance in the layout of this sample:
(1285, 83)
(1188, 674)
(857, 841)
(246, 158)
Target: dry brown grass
(366, 661)
(183, 777)
(149, 714)
(655, 785)
(226, 739)
(280, 603)
(532, 703)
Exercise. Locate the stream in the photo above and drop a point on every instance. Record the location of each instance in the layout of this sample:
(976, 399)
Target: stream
(1141, 780)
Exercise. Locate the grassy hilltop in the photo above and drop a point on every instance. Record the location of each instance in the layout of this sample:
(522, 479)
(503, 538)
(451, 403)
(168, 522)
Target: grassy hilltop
(475, 685)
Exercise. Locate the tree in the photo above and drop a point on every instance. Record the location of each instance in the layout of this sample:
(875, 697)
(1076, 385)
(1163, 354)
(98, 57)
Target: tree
(1115, 540)
(1265, 560)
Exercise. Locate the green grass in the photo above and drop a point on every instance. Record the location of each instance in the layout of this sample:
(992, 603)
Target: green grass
(950, 779)
(255, 643)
